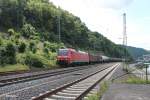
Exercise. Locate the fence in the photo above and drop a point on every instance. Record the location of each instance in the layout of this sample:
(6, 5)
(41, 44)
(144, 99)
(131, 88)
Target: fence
(140, 73)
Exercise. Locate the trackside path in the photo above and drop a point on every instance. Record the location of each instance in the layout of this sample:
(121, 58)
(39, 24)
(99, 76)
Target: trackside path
(123, 91)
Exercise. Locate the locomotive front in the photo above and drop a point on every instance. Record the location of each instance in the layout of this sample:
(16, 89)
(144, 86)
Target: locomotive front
(63, 57)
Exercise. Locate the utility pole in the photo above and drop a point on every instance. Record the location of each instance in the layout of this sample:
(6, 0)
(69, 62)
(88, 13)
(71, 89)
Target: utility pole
(124, 39)
(124, 30)
(59, 28)
(59, 32)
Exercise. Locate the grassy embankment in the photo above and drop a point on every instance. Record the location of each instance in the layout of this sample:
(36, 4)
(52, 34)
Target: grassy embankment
(132, 79)
(98, 95)
(136, 80)
(16, 67)
(21, 67)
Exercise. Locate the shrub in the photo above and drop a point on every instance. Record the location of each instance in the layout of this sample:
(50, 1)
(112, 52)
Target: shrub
(28, 30)
(38, 61)
(17, 35)
(32, 46)
(46, 50)
(53, 56)
(1, 41)
(2, 55)
(22, 47)
(53, 46)
(20, 58)
(11, 32)
(8, 54)
(15, 41)
(34, 60)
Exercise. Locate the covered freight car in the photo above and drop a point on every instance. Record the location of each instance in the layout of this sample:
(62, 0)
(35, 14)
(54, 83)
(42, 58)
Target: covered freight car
(95, 58)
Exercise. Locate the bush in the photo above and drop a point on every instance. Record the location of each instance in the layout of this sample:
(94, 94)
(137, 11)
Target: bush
(22, 47)
(11, 32)
(53, 56)
(7, 54)
(46, 50)
(28, 30)
(1, 41)
(17, 35)
(10, 53)
(38, 61)
(32, 46)
(34, 60)
(53, 47)
(2, 55)
(20, 58)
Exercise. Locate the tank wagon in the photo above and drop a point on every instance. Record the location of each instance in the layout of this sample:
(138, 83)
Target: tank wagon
(69, 56)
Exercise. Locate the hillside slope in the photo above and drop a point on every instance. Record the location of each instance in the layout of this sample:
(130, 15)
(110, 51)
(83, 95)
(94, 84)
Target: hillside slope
(29, 32)
(137, 52)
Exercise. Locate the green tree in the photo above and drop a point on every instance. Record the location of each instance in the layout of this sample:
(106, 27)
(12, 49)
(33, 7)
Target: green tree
(7, 54)
(32, 46)
(38, 20)
(10, 53)
(11, 32)
(28, 30)
(22, 47)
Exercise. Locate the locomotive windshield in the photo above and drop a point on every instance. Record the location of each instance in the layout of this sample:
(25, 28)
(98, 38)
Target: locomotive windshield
(63, 52)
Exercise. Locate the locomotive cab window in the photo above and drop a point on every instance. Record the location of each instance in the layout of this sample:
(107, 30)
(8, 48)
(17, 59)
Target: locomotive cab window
(63, 52)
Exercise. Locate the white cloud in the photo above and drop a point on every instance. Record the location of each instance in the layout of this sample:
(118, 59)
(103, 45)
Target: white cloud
(116, 4)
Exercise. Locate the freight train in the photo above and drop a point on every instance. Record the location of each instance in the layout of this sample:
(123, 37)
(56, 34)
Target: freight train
(70, 56)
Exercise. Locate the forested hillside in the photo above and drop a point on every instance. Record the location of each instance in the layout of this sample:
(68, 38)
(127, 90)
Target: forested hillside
(137, 52)
(29, 33)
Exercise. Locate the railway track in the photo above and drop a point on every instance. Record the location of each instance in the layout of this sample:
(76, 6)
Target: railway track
(77, 89)
(7, 80)
(27, 90)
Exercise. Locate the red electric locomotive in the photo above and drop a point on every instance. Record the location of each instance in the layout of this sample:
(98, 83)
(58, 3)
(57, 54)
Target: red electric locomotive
(71, 56)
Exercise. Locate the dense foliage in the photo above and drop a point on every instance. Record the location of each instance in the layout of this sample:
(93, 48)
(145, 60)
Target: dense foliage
(7, 54)
(32, 26)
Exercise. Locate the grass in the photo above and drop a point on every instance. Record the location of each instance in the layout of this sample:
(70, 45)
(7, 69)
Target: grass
(16, 67)
(51, 64)
(136, 80)
(132, 79)
(93, 97)
(99, 94)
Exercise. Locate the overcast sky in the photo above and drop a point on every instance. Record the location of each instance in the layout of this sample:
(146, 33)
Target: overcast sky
(105, 16)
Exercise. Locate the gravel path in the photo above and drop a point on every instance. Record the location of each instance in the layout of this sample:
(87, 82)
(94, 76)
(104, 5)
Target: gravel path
(122, 91)
(127, 92)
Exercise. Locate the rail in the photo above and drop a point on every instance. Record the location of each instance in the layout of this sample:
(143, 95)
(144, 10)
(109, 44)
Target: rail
(80, 96)
(18, 79)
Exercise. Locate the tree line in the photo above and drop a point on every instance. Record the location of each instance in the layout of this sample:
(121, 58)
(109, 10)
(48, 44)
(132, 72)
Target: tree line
(37, 20)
